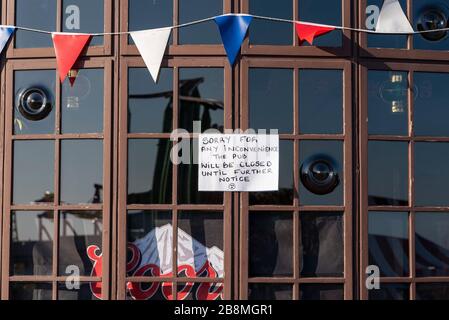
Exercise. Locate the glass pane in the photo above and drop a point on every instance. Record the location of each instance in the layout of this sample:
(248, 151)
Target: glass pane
(149, 291)
(204, 33)
(430, 110)
(200, 244)
(331, 151)
(31, 247)
(81, 171)
(390, 291)
(30, 291)
(432, 291)
(271, 90)
(79, 230)
(150, 104)
(321, 101)
(387, 102)
(382, 40)
(83, 293)
(33, 171)
(44, 122)
(149, 171)
(321, 292)
(200, 291)
(144, 15)
(270, 244)
(82, 104)
(265, 32)
(388, 242)
(423, 9)
(387, 173)
(322, 246)
(91, 18)
(322, 11)
(29, 14)
(262, 291)
(432, 244)
(431, 174)
(201, 94)
(286, 184)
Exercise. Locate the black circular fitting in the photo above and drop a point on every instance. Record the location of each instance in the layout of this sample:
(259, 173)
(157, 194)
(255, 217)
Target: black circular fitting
(319, 176)
(433, 18)
(34, 103)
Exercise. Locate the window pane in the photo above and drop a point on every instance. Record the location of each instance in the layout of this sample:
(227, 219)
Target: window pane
(91, 15)
(322, 11)
(431, 174)
(430, 110)
(321, 101)
(271, 90)
(390, 291)
(262, 291)
(387, 173)
(31, 247)
(387, 102)
(150, 104)
(82, 104)
(29, 14)
(33, 171)
(388, 242)
(331, 151)
(81, 171)
(30, 291)
(77, 231)
(204, 33)
(149, 171)
(322, 246)
(265, 32)
(149, 291)
(270, 244)
(420, 8)
(432, 291)
(41, 79)
(321, 292)
(432, 244)
(83, 293)
(200, 291)
(201, 93)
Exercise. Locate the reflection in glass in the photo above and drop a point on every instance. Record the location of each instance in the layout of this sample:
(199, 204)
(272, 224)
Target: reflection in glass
(200, 291)
(201, 94)
(204, 33)
(270, 244)
(321, 101)
(33, 171)
(321, 292)
(26, 79)
(387, 102)
(387, 173)
(271, 91)
(91, 18)
(31, 247)
(322, 246)
(150, 104)
(149, 171)
(82, 103)
(432, 244)
(286, 183)
(141, 223)
(332, 151)
(388, 242)
(431, 174)
(81, 171)
(83, 293)
(77, 231)
(427, 12)
(432, 291)
(30, 291)
(29, 14)
(149, 291)
(264, 291)
(390, 291)
(262, 32)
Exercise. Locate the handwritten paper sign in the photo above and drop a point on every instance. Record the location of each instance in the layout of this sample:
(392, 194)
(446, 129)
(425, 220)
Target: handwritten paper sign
(238, 162)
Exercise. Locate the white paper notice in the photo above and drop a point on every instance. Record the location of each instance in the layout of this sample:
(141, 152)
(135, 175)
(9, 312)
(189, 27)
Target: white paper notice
(238, 162)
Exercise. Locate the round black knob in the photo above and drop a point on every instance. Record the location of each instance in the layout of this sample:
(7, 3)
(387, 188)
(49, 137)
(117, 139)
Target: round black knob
(319, 176)
(34, 103)
(433, 19)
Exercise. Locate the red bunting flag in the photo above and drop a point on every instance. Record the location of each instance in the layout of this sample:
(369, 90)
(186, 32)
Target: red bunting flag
(309, 32)
(68, 47)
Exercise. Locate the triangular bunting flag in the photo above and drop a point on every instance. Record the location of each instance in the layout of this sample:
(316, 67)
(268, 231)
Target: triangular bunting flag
(151, 45)
(392, 19)
(309, 32)
(5, 34)
(68, 47)
(233, 28)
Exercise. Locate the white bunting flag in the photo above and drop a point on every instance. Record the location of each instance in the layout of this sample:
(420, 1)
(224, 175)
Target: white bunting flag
(392, 19)
(151, 45)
